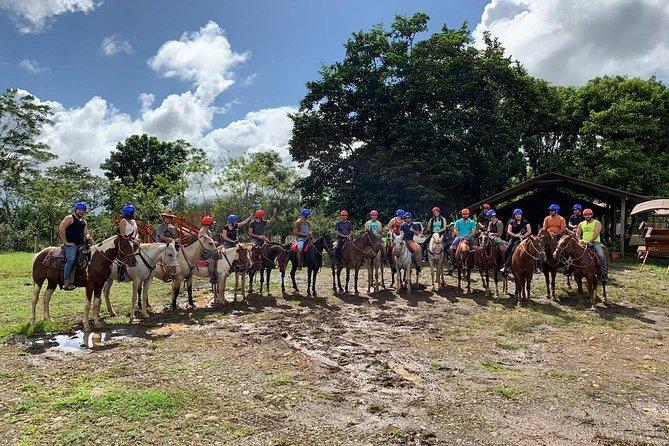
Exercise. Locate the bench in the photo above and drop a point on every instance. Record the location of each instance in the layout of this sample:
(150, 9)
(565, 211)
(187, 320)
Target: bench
(656, 241)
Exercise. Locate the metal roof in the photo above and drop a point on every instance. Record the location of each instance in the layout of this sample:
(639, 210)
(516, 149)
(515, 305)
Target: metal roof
(652, 205)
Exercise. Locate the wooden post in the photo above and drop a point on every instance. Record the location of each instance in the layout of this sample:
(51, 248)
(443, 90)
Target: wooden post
(623, 201)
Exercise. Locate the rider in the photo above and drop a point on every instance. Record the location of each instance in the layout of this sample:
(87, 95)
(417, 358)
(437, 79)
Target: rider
(437, 224)
(258, 225)
(73, 232)
(206, 222)
(167, 232)
(374, 225)
(302, 229)
(395, 223)
(495, 227)
(410, 229)
(554, 222)
(229, 234)
(588, 232)
(483, 218)
(465, 229)
(344, 232)
(127, 227)
(576, 217)
(517, 229)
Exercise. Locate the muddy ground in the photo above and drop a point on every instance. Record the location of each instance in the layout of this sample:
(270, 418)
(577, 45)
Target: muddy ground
(427, 369)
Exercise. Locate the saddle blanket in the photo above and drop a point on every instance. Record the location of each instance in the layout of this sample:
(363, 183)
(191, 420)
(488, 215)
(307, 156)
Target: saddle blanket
(56, 259)
(293, 247)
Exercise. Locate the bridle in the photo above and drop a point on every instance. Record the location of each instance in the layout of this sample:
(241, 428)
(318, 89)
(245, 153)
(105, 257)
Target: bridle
(539, 252)
(569, 243)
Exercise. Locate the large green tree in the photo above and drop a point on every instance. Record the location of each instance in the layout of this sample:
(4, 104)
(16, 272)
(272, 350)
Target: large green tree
(408, 122)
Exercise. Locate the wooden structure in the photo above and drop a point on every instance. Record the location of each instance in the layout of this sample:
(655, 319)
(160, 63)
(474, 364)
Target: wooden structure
(183, 223)
(609, 205)
(655, 238)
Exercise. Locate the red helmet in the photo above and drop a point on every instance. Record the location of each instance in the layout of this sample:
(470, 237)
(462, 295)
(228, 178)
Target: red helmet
(465, 211)
(344, 213)
(207, 220)
(260, 213)
(587, 211)
(436, 209)
(374, 212)
(486, 206)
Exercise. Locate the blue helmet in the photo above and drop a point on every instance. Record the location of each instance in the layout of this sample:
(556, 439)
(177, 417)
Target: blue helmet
(554, 207)
(400, 212)
(305, 212)
(81, 205)
(490, 213)
(517, 211)
(407, 215)
(577, 206)
(127, 210)
(232, 218)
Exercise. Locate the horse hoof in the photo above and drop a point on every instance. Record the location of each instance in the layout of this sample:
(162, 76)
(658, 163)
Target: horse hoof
(592, 308)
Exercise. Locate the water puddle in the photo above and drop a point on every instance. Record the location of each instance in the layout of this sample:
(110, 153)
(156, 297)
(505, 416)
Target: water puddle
(74, 343)
(169, 329)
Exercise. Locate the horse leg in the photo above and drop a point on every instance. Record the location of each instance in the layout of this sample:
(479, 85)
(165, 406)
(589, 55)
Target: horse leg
(529, 287)
(292, 276)
(308, 282)
(132, 301)
(408, 273)
(244, 286)
(348, 278)
(87, 310)
(47, 298)
(105, 292)
(251, 274)
(36, 290)
(355, 278)
(432, 268)
(548, 282)
(176, 286)
(553, 274)
(189, 288)
(313, 284)
(96, 308)
(592, 288)
(606, 301)
(334, 283)
(145, 296)
(370, 275)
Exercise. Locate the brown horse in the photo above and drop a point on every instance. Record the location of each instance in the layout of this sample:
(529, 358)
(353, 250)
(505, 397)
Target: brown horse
(374, 265)
(464, 261)
(351, 257)
(551, 265)
(523, 261)
(265, 259)
(585, 264)
(487, 259)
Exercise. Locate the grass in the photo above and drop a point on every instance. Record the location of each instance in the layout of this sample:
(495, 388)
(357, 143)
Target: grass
(280, 380)
(506, 392)
(493, 366)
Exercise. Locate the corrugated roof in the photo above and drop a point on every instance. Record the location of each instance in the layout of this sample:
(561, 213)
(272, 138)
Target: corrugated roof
(653, 205)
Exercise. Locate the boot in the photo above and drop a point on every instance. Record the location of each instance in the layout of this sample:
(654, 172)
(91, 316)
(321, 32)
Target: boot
(68, 284)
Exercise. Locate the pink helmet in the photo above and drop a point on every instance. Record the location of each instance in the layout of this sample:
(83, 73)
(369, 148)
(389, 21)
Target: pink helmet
(344, 213)
(436, 209)
(374, 212)
(465, 211)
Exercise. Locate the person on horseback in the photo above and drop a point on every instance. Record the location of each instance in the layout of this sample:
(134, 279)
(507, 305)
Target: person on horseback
(302, 230)
(395, 223)
(495, 227)
(167, 231)
(517, 229)
(588, 232)
(483, 219)
(343, 232)
(437, 224)
(576, 217)
(410, 229)
(73, 231)
(127, 227)
(206, 222)
(229, 234)
(373, 225)
(554, 222)
(465, 229)
(257, 227)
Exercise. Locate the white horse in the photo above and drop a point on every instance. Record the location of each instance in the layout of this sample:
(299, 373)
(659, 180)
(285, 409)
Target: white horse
(187, 257)
(435, 256)
(141, 274)
(236, 258)
(402, 262)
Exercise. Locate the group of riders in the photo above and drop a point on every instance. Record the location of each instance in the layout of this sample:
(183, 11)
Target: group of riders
(74, 234)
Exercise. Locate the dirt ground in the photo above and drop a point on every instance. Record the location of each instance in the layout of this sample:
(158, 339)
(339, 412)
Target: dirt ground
(432, 368)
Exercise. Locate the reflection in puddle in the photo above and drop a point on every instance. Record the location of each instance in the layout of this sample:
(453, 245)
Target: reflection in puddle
(77, 342)
(169, 329)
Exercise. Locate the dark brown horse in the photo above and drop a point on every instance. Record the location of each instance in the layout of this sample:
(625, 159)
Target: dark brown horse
(551, 265)
(488, 258)
(523, 262)
(312, 258)
(351, 257)
(585, 264)
(265, 259)
(464, 262)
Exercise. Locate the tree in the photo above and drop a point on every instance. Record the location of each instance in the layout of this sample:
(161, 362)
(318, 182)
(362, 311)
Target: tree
(402, 122)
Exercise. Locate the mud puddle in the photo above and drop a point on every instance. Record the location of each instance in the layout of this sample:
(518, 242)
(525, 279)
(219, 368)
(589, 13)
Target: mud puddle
(77, 342)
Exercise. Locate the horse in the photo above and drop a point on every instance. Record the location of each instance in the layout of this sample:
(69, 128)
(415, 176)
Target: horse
(464, 262)
(312, 259)
(187, 258)
(231, 259)
(141, 275)
(374, 261)
(585, 264)
(351, 257)
(403, 262)
(99, 269)
(435, 257)
(487, 258)
(523, 262)
(551, 265)
(390, 257)
(271, 256)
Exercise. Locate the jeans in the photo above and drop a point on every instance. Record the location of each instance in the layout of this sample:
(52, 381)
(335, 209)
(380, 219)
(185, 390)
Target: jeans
(70, 256)
(600, 252)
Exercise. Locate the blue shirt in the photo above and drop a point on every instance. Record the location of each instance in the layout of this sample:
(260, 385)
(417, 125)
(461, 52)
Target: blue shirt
(408, 235)
(465, 229)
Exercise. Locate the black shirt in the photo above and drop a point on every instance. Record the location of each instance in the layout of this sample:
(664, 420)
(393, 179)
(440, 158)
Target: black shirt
(74, 233)
(518, 228)
(258, 227)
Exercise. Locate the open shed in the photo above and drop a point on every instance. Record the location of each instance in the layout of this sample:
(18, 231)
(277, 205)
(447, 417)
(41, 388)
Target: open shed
(611, 206)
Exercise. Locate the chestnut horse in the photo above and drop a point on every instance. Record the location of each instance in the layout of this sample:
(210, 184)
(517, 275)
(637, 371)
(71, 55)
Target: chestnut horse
(488, 257)
(351, 257)
(272, 255)
(523, 262)
(374, 265)
(464, 262)
(584, 263)
(551, 265)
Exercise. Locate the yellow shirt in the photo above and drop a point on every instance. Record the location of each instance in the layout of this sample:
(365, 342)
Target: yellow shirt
(588, 230)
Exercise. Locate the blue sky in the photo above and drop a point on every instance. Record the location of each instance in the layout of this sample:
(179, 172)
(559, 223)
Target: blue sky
(224, 74)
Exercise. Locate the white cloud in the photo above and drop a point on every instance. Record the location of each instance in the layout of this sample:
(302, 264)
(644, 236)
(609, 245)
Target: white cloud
(203, 57)
(114, 45)
(33, 67)
(31, 16)
(569, 42)
(181, 116)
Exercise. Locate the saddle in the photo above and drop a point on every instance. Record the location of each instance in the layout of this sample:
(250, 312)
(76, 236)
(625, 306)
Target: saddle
(56, 259)
(307, 246)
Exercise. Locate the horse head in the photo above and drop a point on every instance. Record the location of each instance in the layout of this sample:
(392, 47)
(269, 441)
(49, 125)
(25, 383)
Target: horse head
(463, 247)
(208, 245)
(257, 256)
(327, 244)
(170, 259)
(564, 248)
(244, 260)
(127, 250)
(539, 247)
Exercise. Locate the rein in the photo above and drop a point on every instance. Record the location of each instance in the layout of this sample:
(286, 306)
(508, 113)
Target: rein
(528, 253)
(585, 251)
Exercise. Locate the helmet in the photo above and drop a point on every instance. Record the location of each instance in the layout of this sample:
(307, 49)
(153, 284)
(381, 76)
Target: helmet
(436, 209)
(517, 211)
(81, 205)
(465, 211)
(305, 212)
(207, 220)
(490, 213)
(400, 212)
(232, 218)
(407, 215)
(554, 207)
(344, 213)
(587, 211)
(577, 206)
(374, 212)
(486, 206)
(127, 210)
(260, 213)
